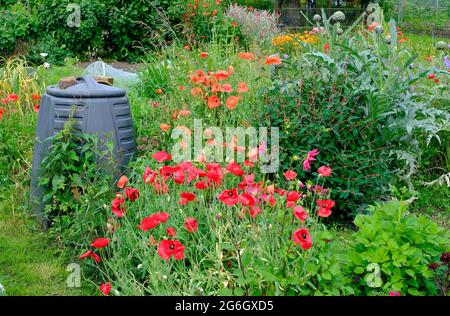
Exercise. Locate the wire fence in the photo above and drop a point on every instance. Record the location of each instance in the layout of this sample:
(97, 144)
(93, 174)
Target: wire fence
(423, 17)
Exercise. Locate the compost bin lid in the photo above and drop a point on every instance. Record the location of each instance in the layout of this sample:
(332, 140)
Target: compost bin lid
(86, 87)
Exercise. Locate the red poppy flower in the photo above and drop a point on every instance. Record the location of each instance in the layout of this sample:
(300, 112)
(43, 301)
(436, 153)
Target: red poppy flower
(214, 175)
(132, 194)
(201, 185)
(160, 188)
(253, 210)
(203, 55)
(293, 196)
(186, 197)
(105, 288)
(221, 75)
(153, 220)
(85, 255)
(249, 163)
(122, 181)
(118, 207)
(161, 156)
(90, 254)
(324, 171)
(149, 175)
(229, 197)
(235, 169)
(13, 97)
(1, 113)
(169, 248)
(300, 213)
(324, 207)
(290, 175)
(213, 101)
(171, 232)
(302, 237)
(35, 96)
(247, 199)
(273, 60)
(100, 243)
(326, 48)
(325, 203)
(191, 224)
(234, 24)
(36, 108)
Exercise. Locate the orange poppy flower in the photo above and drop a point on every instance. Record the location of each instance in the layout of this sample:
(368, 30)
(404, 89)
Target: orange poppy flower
(232, 102)
(164, 127)
(248, 56)
(226, 88)
(213, 101)
(184, 112)
(273, 60)
(174, 114)
(122, 181)
(230, 70)
(159, 91)
(196, 91)
(186, 131)
(216, 87)
(181, 88)
(242, 87)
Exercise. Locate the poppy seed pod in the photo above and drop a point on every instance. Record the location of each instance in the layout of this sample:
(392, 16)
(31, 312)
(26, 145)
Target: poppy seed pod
(338, 16)
(441, 45)
(379, 29)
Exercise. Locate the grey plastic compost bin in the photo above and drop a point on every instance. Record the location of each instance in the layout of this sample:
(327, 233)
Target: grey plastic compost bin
(97, 108)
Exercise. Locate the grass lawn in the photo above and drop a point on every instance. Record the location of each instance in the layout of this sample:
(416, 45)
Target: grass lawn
(29, 265)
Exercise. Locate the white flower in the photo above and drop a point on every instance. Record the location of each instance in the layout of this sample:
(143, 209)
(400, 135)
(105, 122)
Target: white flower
(165, 277)
(43, 55)
(46, 65)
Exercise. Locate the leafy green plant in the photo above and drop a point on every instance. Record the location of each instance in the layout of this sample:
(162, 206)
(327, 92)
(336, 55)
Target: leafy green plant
(76, 176)
(392, 250)
(17, 24)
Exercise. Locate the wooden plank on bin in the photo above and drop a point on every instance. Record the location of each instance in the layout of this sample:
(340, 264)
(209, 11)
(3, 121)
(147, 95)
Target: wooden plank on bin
(67, 82)
(105, 80)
